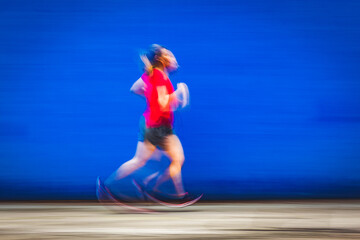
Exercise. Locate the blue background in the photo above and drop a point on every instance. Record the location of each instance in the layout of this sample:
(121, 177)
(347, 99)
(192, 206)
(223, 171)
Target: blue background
(275, 104)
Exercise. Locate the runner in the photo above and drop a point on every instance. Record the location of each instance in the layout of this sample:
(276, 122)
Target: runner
(156, 129)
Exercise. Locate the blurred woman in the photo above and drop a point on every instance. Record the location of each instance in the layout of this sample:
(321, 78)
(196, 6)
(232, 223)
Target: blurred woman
(156, 129)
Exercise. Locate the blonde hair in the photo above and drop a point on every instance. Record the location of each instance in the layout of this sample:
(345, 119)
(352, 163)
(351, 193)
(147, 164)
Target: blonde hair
(148, 67)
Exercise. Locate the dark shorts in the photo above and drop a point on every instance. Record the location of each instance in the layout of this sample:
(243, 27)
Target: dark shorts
(156, 136)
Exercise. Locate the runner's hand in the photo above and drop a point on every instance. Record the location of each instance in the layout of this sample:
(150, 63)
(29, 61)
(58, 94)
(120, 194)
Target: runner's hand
(182, 94)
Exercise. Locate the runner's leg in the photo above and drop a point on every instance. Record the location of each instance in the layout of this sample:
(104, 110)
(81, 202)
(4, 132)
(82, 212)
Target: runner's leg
(144, 150)
(174, 150)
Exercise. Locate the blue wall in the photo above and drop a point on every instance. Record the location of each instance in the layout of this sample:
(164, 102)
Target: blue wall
(275, 103)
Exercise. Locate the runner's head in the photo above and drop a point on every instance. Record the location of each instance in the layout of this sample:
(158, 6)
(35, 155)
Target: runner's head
(159, 57)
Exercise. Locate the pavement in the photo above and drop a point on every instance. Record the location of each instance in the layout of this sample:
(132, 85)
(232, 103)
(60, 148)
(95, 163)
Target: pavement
(242, 220)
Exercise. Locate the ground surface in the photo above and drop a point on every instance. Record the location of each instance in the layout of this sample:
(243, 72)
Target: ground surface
(251, 220)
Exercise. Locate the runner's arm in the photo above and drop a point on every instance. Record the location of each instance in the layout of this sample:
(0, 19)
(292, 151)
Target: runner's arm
(138, 87)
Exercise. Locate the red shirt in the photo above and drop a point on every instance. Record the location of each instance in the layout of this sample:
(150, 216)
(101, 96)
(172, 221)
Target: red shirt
(154, 115)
